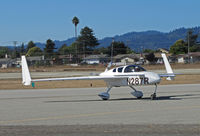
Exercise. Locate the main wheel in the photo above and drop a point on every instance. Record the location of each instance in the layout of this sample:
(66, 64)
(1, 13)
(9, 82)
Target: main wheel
(104, 96)
(137, 94)
(139, 97)
(153, 96)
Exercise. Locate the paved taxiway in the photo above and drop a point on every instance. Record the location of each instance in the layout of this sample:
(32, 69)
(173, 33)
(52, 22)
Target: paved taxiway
(176, 104)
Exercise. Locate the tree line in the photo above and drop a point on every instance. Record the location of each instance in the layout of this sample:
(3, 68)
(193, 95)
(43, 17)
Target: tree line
(189, 44)
(85, 44)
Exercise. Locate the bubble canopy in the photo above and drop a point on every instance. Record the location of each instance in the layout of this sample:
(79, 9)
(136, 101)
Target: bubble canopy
(129, 68)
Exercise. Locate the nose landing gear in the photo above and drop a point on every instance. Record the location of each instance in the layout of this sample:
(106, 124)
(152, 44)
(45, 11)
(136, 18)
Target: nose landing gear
(153, 96)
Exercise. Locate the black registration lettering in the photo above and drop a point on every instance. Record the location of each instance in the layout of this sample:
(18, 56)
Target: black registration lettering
(146, 80)
(138, 80)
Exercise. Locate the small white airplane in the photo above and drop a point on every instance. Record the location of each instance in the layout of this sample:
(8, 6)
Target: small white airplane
(130, 75)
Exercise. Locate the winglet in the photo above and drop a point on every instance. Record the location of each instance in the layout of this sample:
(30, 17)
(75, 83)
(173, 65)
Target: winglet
(168, 67)
(26, 78)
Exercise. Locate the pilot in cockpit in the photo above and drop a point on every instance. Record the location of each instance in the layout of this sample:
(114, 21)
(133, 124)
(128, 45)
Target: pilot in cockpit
(137, 69)
(133, 68)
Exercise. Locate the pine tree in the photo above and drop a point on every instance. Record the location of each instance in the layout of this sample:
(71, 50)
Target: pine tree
(86, 41)
(49, 48)
(31, 44)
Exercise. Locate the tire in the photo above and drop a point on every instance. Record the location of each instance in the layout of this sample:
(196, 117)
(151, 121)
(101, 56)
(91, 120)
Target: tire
(139, 97)
(153, 96)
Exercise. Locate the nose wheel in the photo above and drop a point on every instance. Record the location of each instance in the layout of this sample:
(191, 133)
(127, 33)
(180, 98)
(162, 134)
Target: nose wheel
(153, 96)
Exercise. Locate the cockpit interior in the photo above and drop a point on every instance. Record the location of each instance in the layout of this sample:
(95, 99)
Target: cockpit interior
(128, 69)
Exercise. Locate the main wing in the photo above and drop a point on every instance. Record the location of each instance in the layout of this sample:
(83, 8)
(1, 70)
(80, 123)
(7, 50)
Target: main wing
(80, 78)
(87, 78)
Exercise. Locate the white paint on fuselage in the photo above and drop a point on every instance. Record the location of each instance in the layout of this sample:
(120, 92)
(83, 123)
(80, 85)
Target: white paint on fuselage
(153, 78)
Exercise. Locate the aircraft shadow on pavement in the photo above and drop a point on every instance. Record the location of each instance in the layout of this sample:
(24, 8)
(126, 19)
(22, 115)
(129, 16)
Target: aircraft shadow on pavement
(171, 97)
(118, 99)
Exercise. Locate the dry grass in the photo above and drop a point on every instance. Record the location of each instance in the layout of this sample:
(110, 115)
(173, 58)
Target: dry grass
(174, 66)
(16, 83)
(183, 79)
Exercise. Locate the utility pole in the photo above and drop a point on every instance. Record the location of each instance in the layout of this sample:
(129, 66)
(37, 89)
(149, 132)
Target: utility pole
(188, 47)
(84, 50)
(76, 51)
(112, 50)
(15, 49)
(127, 46)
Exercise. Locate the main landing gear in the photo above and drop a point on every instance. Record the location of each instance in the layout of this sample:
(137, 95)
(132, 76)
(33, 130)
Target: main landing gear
(137, 94)
(153, 96)
(105, 95)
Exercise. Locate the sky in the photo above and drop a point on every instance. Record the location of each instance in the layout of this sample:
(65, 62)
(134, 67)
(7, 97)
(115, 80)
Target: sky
(39, 20)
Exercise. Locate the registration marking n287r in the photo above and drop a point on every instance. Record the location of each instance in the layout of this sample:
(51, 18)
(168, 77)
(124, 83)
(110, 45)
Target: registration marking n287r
(136, 80)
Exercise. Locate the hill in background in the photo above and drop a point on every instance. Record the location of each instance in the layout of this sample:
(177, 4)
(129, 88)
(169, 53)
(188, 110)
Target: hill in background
(149, 39)
(139, 40)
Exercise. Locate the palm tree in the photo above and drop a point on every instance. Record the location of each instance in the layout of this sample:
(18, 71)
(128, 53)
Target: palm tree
(75, 21)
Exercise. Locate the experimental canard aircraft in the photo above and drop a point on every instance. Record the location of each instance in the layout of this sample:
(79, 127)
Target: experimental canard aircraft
(130, 75)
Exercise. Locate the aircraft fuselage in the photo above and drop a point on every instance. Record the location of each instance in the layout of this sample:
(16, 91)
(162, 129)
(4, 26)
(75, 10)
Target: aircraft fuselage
(140, 77)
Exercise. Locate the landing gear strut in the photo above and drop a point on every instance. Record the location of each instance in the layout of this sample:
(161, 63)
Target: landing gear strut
(137, 94)
(105, 95)
(153, 96)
